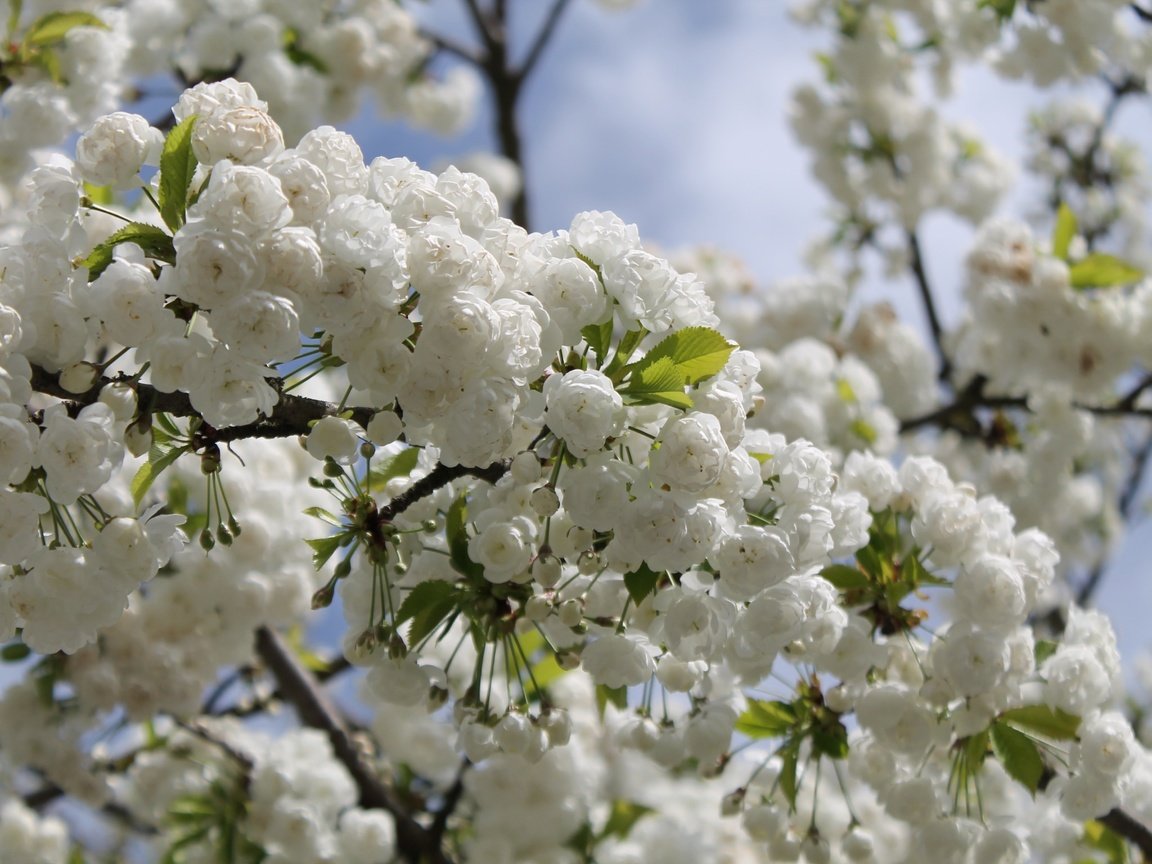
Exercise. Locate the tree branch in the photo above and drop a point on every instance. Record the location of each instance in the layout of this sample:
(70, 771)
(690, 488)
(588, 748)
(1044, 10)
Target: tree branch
(1131, 830)
(315, 709)
(291, 416)
(543, 37)
(1126, 503)
(454, 48)
(959, 413)
(920, 274)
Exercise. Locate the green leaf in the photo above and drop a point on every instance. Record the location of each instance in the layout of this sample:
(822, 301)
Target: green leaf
(150, 470)
(1044, 649)
(871, 563)
(53, 27)
(629, 342)
(1002, 8)
(300, 56)
(163, 421)
(547, 670)
(1100, 836)
(49, 60)
(599, 338)
(1019, 755)
(15, 7)
(846, 578)
(1063, 232)
(1042, 720)
(426, 606)
(324, 548)
(642, 582)
(831, 740)
(623, 816)
(456, 528)
(697, 352)
(790, 756)
(177, 165)
(398, 465)
(606, 695)
(324, 516)
(660, 382)
(1101, 270)
(763, 719)
(913, 572)
(864, 430)
(153, 240)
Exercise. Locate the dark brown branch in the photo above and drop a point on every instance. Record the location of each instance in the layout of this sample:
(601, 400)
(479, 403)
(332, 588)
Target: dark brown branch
(1126, 503)
(448, 46)
(1141, 13)
(314, 708)
(480, 21)
(291, 416)
(245, 708)
(543, 37)
(959, 413)
(450, 803)
(1131, 830)
(920, 274)
(439, 476)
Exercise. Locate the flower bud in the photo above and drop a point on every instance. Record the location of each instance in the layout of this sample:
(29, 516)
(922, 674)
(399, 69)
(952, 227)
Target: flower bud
(79, 377)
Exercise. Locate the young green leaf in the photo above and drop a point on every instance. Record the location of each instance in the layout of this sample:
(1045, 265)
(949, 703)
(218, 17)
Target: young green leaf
(1100, 836)
(301, 56)
(622, 817)
(599, 339)
(15, 7)
(658, 383)
(177, 164)
(456, 527)
(606, 695)
(697, 353)
(790, 756)
(763, 719)
(1101, 270)
(1042, 720)
(629, 342)
(641, 582)
(153, 240)
(54, 27)
(324, 516)
(1019, 755)
(1002, 8)
(150, 470)
(323, 548)
(846, 578)
(426, 606)
(831, 740)
(391, 467)
(1063, 232)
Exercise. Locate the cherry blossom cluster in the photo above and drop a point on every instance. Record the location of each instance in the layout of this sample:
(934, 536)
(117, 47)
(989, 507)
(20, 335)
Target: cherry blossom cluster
(585, 546)
(67, 64)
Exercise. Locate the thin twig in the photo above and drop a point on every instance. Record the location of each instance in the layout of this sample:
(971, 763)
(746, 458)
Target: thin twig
(543, 37)
(316, 710)
(448, 46)
(451, 801)
(1126, 502)
(920, 274)
(293, 415)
